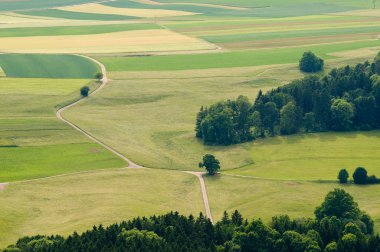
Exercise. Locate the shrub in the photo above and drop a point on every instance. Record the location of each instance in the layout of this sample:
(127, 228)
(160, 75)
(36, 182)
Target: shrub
(343, 176)
(310, 63)
(360, 176)
(84, 91)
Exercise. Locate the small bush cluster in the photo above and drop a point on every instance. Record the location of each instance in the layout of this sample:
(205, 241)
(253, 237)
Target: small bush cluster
(360, 177)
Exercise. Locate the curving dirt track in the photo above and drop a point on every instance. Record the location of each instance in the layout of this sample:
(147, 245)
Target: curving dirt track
(61, 110)
(130, 163)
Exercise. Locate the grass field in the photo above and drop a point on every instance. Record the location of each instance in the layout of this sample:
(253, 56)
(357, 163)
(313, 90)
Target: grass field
(313, 156)
(47, 66)
(54, 13)
(6, 5)
(78, 202)
(74, 30)
(33, 143)
(228, 59)
(256, 198)
(126, 41)
(165, 59)
(169, 101)
(103, 9)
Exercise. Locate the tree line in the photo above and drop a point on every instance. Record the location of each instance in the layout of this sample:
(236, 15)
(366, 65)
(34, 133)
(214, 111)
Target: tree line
(338, 226)
(346, 98)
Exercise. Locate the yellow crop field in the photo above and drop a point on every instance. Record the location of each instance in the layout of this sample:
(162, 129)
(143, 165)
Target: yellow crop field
(360, 13)
(103, 9)
(128, 41)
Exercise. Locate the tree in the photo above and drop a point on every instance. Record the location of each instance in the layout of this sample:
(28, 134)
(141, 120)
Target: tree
(310, 63)
(360, 176)
(84, 91)
(309, 122)
(343, 176)
(211, 164)
(237, 218)
(289, 119)
(374, 4)
(342, 113)
(340, 204)
(270, 117)
(99, 76)
(257, 124)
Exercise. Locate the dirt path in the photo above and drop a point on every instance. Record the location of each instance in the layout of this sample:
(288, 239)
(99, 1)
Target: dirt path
(2, 186)
(130, 163)
(61, 110)
(204, 193)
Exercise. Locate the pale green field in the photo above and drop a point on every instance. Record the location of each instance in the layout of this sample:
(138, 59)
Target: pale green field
(33, 143)
(150, 116)
(78, 202)
(258, 198)
(313, 156)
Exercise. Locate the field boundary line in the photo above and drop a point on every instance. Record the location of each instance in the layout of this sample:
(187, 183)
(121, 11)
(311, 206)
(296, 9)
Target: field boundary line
(104, 82)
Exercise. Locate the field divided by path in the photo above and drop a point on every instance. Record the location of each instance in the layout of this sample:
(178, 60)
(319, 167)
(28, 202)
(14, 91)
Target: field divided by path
(47, 66)
(78, 202)
(33, 143)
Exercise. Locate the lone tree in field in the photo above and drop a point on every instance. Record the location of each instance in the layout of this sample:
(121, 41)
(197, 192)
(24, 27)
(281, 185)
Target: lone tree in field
(99, 76)
(343, 176)
(211, 164)
(84, 91)
(360, 176)
(310, 63)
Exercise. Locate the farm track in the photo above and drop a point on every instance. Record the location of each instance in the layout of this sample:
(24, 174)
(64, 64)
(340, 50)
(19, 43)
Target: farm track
(131, 164)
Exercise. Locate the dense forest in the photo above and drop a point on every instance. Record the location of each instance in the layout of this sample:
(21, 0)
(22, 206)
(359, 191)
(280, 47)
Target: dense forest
(344, 99)
(339, 226)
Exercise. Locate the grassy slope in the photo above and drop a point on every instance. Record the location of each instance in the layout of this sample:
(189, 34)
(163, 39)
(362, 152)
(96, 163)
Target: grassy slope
(74, 30)
(164, 136)
(227, 59)
(47, 66)
(33, 143)
(169, 101)
(314, 156)
(78, 202)
(257, 198)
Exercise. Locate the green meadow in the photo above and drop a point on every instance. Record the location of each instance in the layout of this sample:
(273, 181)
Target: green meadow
(74, 15)
(169, 101)
(60, 181)
(261, 198)
(270, 56)
(74, 30)
(47, 66)
(78, 202)
(33, 143)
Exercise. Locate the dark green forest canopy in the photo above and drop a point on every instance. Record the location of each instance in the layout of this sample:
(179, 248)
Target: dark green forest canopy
(346, 98)
(339, 225)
